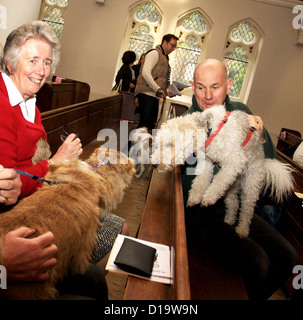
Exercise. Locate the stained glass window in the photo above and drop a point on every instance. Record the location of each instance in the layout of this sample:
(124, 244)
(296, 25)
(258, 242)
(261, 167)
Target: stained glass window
(239, 55)
(56, 22)
(141, 41)
(52, 12)
(192, 32)
(144, 24)
(236, 63)
(243, 33)
(186, 59)
(147, 12)
(195, 23)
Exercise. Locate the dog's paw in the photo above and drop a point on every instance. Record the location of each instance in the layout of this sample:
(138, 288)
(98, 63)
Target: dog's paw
(209, 198)
(207, 201)
(230, 219)
(242, 231)
(193, 198)
(192, 201)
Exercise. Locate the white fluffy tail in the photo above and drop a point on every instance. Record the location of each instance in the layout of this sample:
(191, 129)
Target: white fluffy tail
(278, 179)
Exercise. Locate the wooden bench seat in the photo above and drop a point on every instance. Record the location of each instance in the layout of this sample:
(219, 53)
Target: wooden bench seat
(163, 222)
(196, 275)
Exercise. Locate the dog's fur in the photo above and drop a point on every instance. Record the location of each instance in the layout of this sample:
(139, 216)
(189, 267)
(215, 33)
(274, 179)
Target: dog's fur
(115, 172)
(71, 211)
(244, 170)
(141, 139)
(43, 151)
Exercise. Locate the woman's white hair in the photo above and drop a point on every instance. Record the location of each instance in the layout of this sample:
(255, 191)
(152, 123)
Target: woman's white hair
(16, 39)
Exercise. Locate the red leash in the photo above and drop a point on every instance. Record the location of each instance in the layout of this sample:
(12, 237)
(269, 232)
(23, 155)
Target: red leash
(251, 130)
(212, 136)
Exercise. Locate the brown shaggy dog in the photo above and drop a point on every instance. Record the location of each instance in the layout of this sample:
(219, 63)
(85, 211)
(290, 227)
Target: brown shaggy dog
(115, 170)
(71, 211)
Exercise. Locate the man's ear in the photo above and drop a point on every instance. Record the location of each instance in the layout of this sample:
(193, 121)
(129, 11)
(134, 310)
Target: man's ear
(192, 85)
(229, 83)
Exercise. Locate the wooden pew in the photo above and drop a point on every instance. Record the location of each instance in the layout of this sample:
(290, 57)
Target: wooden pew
(55, 95)
(287, 143)
(196, 275)
(163, 222)
(292, 227)
(293, 207)
(86, 119)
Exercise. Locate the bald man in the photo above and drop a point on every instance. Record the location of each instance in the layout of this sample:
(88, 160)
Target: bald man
(211, 87)
(265, 259)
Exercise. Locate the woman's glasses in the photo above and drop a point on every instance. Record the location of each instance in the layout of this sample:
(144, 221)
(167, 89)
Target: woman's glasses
(65, 135)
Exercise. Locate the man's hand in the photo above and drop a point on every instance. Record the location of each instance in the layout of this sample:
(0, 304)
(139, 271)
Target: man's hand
(257, 123)
(170, 94)
(160, 93)
(28, 259)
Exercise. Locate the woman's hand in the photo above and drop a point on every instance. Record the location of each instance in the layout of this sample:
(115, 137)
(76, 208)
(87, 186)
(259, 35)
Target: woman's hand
(10, 186)
(71, 148)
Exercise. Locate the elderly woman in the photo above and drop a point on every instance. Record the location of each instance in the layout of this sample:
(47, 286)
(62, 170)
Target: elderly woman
(30, 55)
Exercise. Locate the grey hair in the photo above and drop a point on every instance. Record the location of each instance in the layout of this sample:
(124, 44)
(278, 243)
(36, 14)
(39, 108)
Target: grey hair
(17, 38)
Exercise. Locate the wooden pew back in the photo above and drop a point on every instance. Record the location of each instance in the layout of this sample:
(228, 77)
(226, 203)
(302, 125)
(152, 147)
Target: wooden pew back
(55, 95)
(288, 141)
(86, 119)
(293, 222)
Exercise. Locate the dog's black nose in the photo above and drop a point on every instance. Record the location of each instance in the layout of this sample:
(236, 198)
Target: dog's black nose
(155, 166)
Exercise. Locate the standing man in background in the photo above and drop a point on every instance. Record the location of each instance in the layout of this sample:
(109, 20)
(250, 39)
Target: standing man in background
(153, 81)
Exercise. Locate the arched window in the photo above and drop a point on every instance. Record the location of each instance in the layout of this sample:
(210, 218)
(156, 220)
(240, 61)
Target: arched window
(240, 57)
(193, 30)
(143, 26)
(53, 12)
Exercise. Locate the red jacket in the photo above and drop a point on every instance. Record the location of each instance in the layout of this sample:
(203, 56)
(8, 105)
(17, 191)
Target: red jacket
(18, 138)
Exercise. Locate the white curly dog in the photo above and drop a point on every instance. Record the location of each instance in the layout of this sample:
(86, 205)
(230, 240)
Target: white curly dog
(218, 137)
